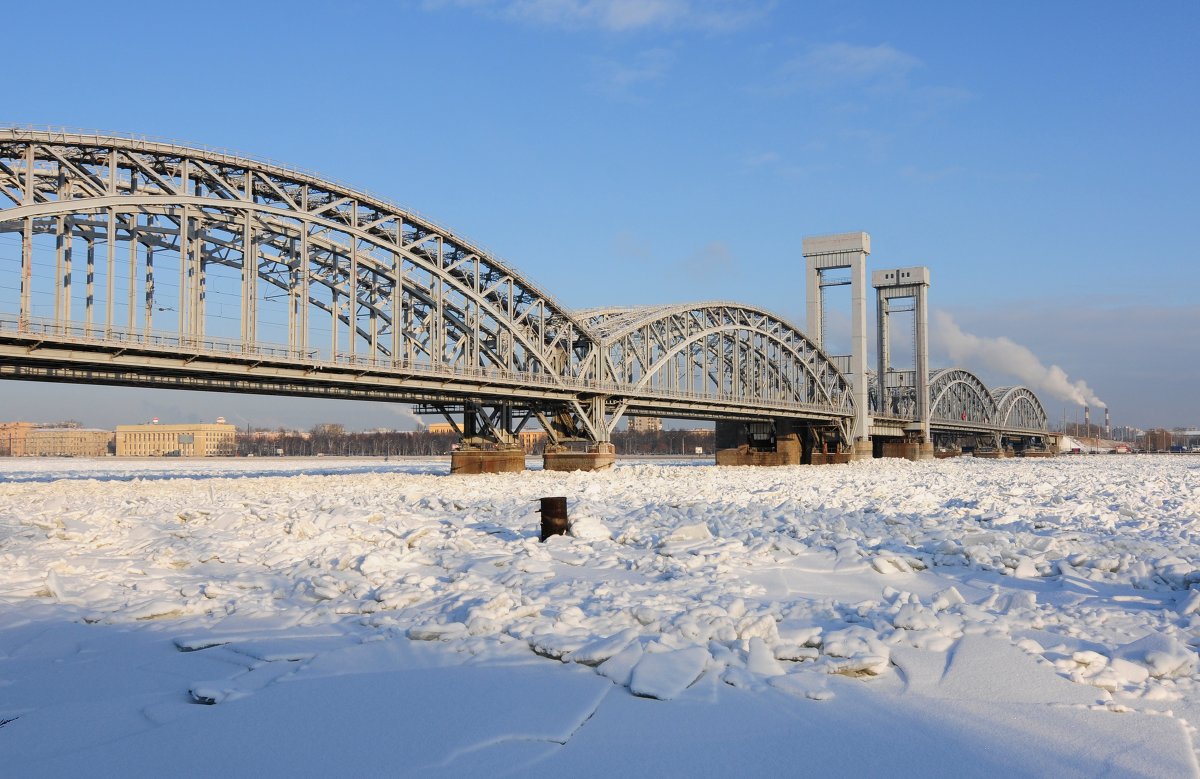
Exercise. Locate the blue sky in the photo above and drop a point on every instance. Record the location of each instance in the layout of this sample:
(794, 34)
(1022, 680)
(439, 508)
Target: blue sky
(1039, 157)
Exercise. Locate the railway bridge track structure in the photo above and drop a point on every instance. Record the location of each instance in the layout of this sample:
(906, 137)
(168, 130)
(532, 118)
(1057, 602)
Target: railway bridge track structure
(138, 262)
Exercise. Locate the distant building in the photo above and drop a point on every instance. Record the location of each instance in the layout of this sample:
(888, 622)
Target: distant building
(54, 439)
(200, 440)
(644, 424)
(439, 427)
(67, 442)
(532, 440)
(1157, 440)
(13, 436)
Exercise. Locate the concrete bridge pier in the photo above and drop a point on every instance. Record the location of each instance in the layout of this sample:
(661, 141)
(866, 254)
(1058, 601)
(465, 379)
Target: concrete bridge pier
(907, 449)
(487, 442)
(473, 461)
(773, 443)
(580, 435)
(596, 457)
(862, 450)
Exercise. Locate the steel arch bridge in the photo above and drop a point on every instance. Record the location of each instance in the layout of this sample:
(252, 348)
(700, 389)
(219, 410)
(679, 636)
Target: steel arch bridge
(152, 263)
(961, 404)
(1017, 408)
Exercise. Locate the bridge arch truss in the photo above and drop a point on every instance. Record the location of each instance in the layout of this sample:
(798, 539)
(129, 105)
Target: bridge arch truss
(957, 396)
(389, 285)
(1017, 408)
(157, 264)
(726, 349)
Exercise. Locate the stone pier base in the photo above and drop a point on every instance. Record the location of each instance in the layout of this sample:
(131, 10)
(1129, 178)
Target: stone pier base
(469, 461)
(598, 458)
(744, 455)
(831, 458)
(862, 450)
(787, 453)
(908, 450)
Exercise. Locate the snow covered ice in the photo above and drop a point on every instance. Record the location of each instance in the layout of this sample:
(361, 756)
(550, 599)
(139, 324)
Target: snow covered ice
(954, 617)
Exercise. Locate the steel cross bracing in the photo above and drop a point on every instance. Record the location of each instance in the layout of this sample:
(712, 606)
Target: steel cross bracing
(961, 403)
(1017, 408)
(151, 263)
(733, 350)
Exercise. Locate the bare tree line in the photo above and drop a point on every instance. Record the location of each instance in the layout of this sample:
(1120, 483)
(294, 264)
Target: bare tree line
(335, 440)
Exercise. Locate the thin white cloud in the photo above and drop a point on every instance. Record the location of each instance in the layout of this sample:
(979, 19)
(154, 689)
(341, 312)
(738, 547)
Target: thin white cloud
(834, 66)
(859, 94)
(761, 159)
(928, 176)
(850, 74)
(711, 262)
(627, 245)
(620, 77)
(613, 15)
(621, 15)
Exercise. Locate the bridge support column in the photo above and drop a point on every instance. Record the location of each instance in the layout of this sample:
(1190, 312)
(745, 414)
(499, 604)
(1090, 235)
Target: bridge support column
(862, 450)
(782, 442)
(909, 449)
(472, 461)
(901, 393)
(597, 457)
(841, 252)
(580, 435)
(489, 444)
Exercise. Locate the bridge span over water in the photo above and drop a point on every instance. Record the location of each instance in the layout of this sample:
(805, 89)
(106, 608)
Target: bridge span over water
(137, 262)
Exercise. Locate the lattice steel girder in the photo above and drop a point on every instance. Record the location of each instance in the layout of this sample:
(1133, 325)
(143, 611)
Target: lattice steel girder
(460, 312)
(959, 395)
(410, 309)
(484, 421)
(1014, 410)
(897, 398)
(1017, 408)
(72, 173)
(727, 349)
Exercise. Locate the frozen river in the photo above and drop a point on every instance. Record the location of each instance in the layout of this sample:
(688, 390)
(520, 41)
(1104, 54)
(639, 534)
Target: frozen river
(954, 617)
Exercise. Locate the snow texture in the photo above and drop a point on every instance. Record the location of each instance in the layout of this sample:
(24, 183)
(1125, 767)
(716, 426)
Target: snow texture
(249, 617)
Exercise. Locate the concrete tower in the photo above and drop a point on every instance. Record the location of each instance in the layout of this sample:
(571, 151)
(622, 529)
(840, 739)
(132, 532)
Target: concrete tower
(843, 251)
(905, 284)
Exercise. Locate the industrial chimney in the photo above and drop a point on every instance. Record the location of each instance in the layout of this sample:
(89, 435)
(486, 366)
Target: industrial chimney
(1107, 425)
(1087, 421)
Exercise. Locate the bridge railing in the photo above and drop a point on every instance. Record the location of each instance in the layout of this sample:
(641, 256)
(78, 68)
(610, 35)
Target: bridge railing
(102, 335)
(177, 345)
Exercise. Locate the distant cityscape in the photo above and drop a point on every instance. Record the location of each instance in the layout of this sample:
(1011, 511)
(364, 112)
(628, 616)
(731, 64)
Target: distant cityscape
(1159, 439)
(643, 435)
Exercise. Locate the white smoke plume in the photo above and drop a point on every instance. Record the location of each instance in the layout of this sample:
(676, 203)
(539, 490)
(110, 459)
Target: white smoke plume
(1006, 356)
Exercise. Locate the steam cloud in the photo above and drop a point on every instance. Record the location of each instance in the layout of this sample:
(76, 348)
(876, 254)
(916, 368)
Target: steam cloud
(1004, 355)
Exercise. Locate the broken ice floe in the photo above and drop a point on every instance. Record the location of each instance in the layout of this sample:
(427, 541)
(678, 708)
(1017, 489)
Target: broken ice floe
(770, 576)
